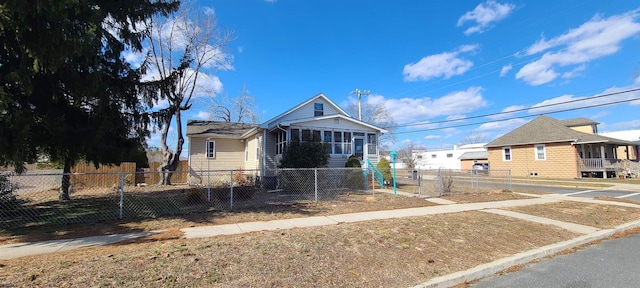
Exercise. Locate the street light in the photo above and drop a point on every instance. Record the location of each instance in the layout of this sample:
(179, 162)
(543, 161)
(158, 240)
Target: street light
(394, 155)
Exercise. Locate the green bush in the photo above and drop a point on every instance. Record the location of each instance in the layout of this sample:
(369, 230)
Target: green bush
(385, 167)
(352, 162)
(304, 155)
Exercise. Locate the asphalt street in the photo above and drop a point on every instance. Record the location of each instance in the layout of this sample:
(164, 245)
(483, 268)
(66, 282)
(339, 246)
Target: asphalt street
(612, 263)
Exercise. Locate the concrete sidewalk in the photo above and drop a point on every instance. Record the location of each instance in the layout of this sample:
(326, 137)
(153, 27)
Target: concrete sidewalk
(589, 233)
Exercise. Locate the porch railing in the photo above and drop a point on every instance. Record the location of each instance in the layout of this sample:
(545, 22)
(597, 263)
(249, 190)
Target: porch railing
(598, 163)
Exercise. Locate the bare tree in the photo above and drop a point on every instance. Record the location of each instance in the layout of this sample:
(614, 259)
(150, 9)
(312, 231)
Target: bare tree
(188, 48)
(240, 109)
(473, 139)
(379, 116)
(407, 154)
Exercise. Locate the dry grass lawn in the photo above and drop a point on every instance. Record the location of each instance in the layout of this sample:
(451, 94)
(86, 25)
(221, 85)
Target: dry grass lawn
(384, 253)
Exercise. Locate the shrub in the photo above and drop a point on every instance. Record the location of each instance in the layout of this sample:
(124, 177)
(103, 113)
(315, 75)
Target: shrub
(304, 155)
(352, 162)
(385, 168)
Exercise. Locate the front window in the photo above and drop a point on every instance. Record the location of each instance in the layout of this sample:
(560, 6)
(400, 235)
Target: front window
(372, 140)
(337, 146)
(318, 109)
(506, 154)
(211, 149)
(541, 153)
(327, 141)
(281, 142)
(449, 155)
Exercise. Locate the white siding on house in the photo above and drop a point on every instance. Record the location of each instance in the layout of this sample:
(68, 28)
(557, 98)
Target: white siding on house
(446, 158)
(306, 111)
(340, 125)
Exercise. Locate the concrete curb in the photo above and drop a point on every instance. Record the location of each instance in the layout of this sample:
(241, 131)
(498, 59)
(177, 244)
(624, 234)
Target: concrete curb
(489, 269)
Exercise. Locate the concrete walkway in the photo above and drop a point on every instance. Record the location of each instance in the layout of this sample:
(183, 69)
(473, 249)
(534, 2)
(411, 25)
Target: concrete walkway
(589, 233)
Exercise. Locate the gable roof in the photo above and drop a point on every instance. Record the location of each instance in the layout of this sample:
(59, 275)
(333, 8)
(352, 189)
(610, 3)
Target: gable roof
(346, 118)
(314, 98)
(578, 122)
(545, 129)
(219, 129)
(341, 114)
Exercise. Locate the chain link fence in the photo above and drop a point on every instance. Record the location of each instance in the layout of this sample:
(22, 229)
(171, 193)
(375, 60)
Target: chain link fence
(441, 182)
(34, 198)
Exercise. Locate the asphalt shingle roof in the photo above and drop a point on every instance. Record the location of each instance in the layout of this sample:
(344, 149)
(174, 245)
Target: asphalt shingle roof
(578, 122)
(218, 129)
(545, 129)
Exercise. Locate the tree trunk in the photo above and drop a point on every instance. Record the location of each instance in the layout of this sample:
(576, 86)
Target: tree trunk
(66, 181)
(170, 160)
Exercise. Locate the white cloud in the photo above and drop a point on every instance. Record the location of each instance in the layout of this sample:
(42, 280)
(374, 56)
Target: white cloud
(506, 125)
(445, 65)
(505, 70)
(592, 40)
(574, 73)
(600, 114)
(203, 115)
(505, 113)
(411, 110)
(484, 15)
(209, 11)
(554, 104)
(428, 137)
(626, 125)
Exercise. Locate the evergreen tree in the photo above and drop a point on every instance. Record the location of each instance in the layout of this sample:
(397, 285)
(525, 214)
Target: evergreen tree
(66, 89)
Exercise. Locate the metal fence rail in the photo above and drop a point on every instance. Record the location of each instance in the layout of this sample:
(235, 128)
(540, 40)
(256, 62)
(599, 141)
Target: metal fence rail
(34, 198)
(441, 182)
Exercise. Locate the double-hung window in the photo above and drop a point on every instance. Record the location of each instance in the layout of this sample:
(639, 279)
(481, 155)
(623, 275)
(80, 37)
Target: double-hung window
(541, 152)
(318, 109)
(211, 149)
(506, 153)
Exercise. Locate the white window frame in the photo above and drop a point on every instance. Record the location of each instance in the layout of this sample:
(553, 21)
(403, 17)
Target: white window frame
(544, 152)
(318, 112)
(257, 148)
(246, 150)
(210, 149)
(504, 153)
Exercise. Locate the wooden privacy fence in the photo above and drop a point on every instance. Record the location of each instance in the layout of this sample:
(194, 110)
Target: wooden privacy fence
(153, 177)
(87, 175)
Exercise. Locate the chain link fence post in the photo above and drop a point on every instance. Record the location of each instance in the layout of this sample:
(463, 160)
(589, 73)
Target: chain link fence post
(509, 177)
(121, 192)
(231, 191)
(315, 181)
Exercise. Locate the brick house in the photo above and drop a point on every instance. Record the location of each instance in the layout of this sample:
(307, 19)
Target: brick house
(550, 148)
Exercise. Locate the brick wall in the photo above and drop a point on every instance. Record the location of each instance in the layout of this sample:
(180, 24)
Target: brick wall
(561, 161)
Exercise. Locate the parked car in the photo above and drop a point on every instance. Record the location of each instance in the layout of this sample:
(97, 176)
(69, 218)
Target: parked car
(480, 167)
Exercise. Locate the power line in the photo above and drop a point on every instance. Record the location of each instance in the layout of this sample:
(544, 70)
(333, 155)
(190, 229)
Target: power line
(511, 118)
(522, 109)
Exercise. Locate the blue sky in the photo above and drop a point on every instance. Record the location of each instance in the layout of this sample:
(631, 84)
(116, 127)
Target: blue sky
(432, 61)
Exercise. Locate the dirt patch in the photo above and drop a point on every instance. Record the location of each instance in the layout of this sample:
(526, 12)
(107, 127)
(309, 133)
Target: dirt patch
(349, 203)
(589, 214)
(496, 195)
(385, 253)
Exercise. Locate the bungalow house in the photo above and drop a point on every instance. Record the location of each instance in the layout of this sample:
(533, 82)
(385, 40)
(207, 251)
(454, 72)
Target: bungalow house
(546, 147)
(225, 146)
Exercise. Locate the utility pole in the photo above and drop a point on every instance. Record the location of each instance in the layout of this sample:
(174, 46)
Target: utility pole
(360, 93)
